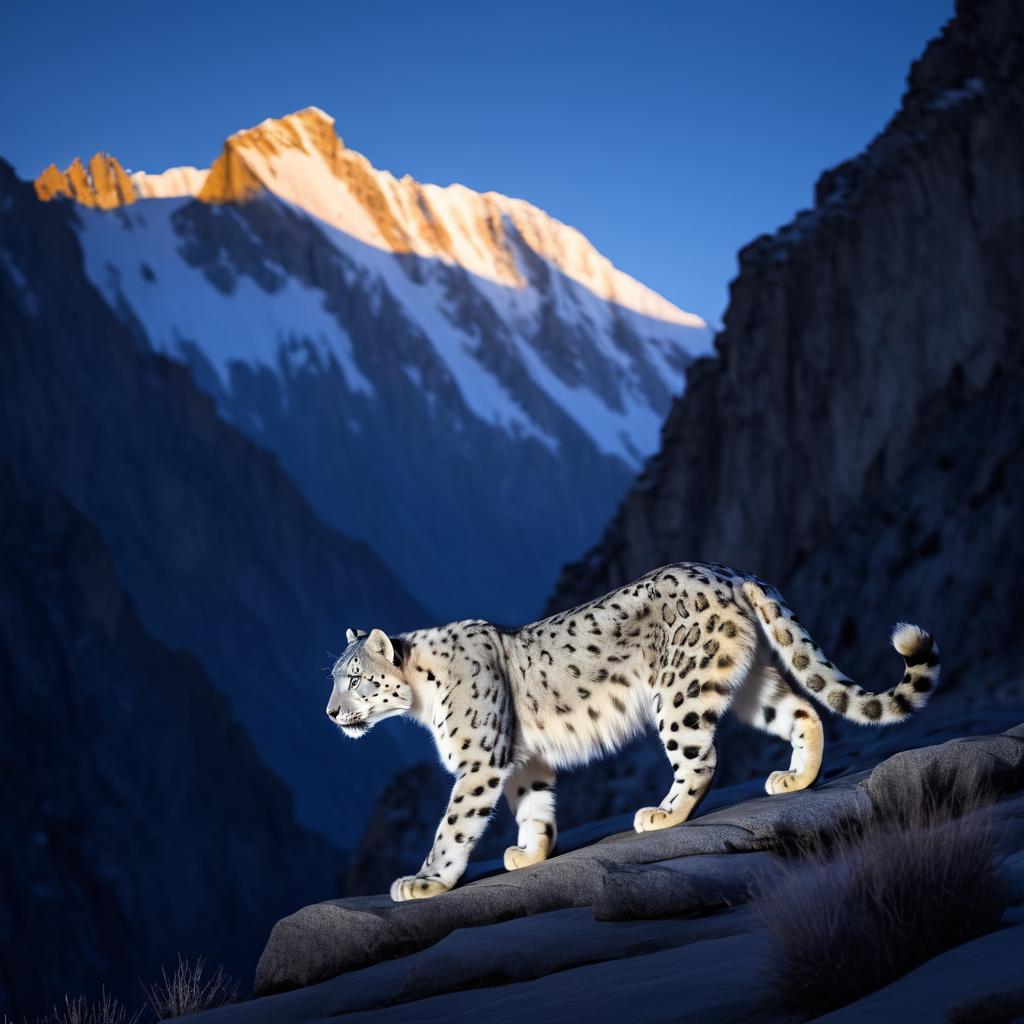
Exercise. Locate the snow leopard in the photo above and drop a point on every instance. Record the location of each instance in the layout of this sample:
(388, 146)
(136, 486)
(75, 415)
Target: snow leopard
(671, 651)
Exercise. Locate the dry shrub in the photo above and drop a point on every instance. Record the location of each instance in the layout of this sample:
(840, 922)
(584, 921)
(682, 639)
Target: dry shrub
(871, 901)
(188, 991)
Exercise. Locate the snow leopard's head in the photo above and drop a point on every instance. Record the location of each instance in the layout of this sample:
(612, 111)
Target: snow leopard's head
(369, 684)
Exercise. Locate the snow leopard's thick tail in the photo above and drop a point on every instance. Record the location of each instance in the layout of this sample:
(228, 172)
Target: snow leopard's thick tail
(808, 665)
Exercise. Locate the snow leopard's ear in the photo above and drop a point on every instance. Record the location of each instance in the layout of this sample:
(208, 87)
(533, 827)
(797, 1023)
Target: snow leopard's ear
(378, 642)
(353, 634)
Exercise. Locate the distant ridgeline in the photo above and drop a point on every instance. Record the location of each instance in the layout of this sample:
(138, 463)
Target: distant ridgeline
(455, 378)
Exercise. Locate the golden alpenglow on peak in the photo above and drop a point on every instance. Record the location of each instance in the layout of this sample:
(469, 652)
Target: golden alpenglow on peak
(254, 158)
(52, 183)
(300, 159)
(309, 131)
(105, 185)
(230, 179)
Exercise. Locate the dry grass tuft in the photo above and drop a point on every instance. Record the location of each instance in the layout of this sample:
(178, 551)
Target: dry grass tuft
(185, 991)
(106, 1010)
(869, 903)
(188, 991)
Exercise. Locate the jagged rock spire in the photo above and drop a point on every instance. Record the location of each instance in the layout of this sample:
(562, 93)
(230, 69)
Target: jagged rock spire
(105, 185)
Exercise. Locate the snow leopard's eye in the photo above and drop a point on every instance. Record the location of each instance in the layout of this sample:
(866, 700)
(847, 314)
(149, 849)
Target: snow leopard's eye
(353, 681)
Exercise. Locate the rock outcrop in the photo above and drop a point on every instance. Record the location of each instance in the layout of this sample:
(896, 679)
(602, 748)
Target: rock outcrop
(105, 185)
(139, 820)
(857, 438)
(641, 912)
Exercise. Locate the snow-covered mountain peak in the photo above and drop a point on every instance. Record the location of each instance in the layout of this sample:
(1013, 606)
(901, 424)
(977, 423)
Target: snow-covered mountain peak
(516, 379)
(301, 159)
(306, 129)
(276, 155)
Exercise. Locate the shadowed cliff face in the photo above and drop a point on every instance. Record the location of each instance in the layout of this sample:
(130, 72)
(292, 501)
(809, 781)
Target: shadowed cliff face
(857, 440)
(216, 547)
(139, 821)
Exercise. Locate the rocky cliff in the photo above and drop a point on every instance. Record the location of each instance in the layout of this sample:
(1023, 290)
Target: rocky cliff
(214, 544)
(857, 438)
(139, 820)
(648, 927)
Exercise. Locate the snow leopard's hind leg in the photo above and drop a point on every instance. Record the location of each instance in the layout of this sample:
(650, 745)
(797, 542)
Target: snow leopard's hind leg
(709, 650)
(531, 795)
(767, 702)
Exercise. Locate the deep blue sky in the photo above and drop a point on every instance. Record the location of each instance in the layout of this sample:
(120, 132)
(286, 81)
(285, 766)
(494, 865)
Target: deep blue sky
(670, 133)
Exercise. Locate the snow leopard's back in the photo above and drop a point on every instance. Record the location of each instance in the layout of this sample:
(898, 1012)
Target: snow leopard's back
(586, 680)
(583, 679)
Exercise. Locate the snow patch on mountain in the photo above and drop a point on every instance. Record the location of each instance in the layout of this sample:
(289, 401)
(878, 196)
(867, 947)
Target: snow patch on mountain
(174, 182)
(134, 258)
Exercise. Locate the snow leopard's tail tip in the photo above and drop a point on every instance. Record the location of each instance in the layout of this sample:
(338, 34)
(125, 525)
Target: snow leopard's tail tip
(912, 641)
(920, 655)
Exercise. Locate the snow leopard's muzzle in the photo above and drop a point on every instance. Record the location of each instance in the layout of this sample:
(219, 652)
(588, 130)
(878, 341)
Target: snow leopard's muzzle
(351, 723)
(369, 684)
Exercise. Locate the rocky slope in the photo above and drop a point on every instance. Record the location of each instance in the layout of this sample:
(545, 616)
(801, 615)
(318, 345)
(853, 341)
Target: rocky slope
(642, 927)
(139, 820)
(857, 439)
(454, 377)
(215, 546)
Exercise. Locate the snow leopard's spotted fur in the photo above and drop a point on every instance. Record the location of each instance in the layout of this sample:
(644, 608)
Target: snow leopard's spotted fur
(673, 649)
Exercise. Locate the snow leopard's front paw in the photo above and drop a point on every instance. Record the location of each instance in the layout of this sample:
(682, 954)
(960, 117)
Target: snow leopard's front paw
(416, 887)
(648, 819)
